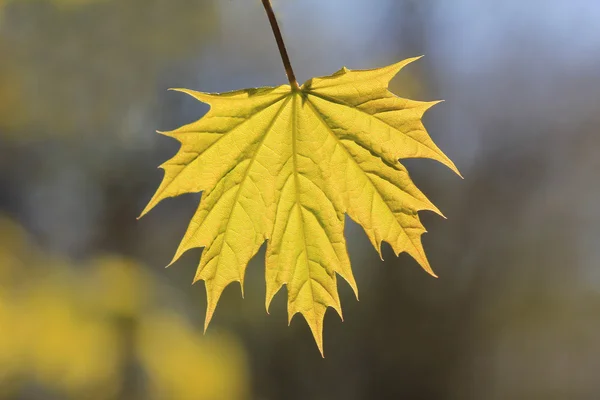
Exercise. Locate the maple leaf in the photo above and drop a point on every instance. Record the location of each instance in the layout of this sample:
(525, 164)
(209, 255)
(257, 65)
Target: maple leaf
(285, 165)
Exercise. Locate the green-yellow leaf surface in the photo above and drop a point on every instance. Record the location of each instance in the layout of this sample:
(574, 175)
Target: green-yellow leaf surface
(285, 166)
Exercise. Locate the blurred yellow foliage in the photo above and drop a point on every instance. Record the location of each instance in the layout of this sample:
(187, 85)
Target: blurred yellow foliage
(61, 328)
(9, 357)
(119, 286)
(77, 350)
(167, 343)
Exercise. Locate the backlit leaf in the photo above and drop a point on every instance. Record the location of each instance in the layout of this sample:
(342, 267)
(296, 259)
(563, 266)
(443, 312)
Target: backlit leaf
(286, 165)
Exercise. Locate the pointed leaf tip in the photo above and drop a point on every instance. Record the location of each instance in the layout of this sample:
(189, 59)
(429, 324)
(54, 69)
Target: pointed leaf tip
(397, 67)
(210, 310)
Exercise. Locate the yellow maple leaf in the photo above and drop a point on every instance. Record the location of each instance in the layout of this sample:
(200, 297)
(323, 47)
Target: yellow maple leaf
(285, 164)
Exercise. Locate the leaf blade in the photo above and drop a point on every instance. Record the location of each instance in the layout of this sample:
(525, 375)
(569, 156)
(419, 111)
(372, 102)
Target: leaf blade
(286, 166)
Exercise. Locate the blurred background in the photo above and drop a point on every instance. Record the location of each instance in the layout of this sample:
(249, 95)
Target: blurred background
(87, 310)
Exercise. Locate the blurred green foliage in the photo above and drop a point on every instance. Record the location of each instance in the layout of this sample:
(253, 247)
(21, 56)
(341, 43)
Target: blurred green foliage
(91, 73)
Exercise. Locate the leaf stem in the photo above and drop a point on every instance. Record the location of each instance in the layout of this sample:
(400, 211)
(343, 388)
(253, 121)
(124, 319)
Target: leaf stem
(282, 50)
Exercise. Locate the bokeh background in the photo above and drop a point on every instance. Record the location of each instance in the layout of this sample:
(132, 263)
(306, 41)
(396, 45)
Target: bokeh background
(87, 310)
